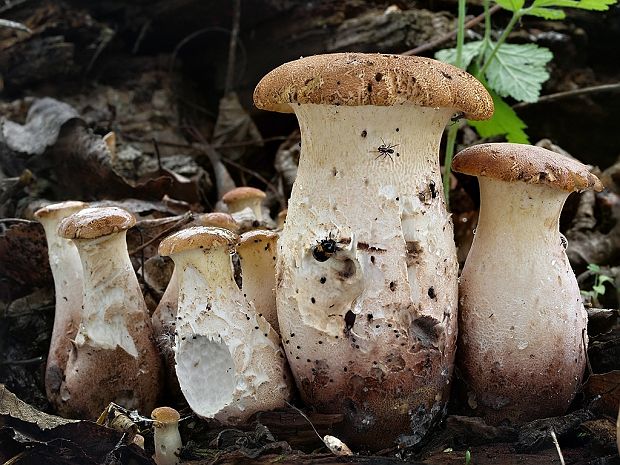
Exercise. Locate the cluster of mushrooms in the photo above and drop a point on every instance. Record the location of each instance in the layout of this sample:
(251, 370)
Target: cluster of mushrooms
(355, 301)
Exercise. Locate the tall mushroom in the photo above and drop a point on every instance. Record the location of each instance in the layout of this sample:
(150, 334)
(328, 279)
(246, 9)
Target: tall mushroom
(367, 270)
(165, 315)
(67, 271)
(228, 359)
(114, 357)
(522, 325)
(167, 438)
(257, 255)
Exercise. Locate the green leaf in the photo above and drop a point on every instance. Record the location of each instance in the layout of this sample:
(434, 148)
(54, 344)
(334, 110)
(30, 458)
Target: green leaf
(600, 289)
(593, 5)
(511, 5)
(594, 268)
(470, 51)
(518, 70)
(604, 279)
(547, 13)
(504, 122)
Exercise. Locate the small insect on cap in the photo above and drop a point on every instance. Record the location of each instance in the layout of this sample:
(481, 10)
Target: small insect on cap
(198, 237)
(355, 79)
(94, 222)
(525, 163)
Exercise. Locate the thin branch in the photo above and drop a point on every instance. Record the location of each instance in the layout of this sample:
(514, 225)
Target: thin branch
(450, 35)
(572, 93)
(242, 143)
(186, 218)
(262, 179)
(557, 446)
(15, 25)
(16, 220)
(232, 48)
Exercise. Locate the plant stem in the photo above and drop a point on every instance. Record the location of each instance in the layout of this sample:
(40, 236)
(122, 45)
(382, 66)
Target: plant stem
(450, 144)
(487, 33)
(454, 128)
(515, 17)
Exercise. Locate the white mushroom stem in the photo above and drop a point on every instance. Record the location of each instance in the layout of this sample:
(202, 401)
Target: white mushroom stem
(257, 253)
(229, 361)
(67, 272)
(167, 438)
(254, 207)
(389, 303)
(523, 325)
(112, 295)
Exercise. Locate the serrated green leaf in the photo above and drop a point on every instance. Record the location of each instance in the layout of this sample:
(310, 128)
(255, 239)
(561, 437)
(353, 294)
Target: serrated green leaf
(594, 268)
(594, 5)
(504, 122)
(470, 51)
(518, 70)
(511, 5)
(600, 289)
(547, 13)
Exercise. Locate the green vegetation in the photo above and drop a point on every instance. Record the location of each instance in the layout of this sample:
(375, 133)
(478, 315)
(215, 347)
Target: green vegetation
(598, 288)
(507, 70)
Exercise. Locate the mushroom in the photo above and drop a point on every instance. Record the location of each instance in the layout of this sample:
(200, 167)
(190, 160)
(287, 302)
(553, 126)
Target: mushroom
(245, 204)
(229, 362)
(167, 438)
(367, 270)
(164, 316)
(67, 272)
(257, 255)
(113, 357)
(522, 324)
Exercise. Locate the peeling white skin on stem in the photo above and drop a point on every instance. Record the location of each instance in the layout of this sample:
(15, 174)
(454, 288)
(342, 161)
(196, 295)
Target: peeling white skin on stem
(522, 321)
(228, 360)
(112, 293)
(389, 304)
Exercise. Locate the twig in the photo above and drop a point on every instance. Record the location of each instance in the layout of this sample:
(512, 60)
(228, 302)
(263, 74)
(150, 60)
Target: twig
(450, 35)
(186, 218)
(267, 183)
(15, 220)
(232, 47)
(9, 5)
(557, 446)
(572, 93)
(14, 25)
(106, 37)
(242, 143)
(22, 362)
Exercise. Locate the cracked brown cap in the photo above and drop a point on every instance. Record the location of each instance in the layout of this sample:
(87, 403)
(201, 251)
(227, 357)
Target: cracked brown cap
(94, 222)
(198, 237)
(372, 79)
(525, 163)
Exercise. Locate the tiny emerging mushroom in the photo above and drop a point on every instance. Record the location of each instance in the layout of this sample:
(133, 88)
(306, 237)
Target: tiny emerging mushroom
(229, 361)
(113, 357)
(522, 324)
(167, 437)
(257, 253)
(66, 268)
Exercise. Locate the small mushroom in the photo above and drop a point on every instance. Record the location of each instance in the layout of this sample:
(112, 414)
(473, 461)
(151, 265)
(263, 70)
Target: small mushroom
(165, 315)
(367, 270)
(67, 272)
(229, 362)
(113, 357)
(522, 324)
(245, 204)
(167, 437)
(257, 253)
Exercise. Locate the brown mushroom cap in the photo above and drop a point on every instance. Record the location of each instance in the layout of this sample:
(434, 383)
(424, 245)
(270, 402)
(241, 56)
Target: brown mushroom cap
(198, 237)
(526, 163)
(94, 222)
(243, 193)
(372, 79)
(218, 220)
(165, 415)
(50, 210)
(256, 235)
